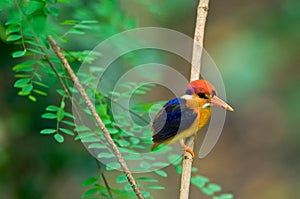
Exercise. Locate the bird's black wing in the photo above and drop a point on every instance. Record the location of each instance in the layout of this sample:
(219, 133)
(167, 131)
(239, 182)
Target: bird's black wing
(174, 117)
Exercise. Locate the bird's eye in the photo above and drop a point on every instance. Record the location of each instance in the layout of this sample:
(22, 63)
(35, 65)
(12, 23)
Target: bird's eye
(202, 95)
(213, 93)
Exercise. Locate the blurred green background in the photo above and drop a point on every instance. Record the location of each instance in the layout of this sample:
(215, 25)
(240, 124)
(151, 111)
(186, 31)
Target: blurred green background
(255, 44)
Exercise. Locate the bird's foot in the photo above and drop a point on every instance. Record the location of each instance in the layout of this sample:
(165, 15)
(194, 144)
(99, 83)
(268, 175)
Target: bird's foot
(187, 149)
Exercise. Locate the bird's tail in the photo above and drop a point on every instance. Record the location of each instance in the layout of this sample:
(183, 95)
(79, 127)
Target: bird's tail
(155, 144)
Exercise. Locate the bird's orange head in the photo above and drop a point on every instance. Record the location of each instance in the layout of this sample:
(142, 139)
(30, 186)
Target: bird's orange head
(207, 92)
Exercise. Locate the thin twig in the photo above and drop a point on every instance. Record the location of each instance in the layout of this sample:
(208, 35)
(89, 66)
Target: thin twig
(202, 11)
(101, 172)
(99, 121)
(60, 79)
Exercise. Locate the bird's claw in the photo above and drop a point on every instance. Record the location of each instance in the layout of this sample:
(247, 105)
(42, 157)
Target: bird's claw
(189, 150)
(186, 148)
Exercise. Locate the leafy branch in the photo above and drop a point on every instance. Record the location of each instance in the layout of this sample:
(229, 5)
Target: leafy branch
(99, 121)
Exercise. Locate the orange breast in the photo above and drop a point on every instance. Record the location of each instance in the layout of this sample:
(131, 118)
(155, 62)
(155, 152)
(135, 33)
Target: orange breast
(204, 113)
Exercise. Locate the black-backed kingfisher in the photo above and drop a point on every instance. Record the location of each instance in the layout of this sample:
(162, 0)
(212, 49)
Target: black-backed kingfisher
(185, 116)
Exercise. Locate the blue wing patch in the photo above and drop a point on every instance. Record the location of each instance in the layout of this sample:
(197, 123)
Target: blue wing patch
(173, 118)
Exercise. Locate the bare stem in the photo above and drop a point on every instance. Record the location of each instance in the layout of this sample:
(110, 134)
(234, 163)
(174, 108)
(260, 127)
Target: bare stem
(99, 121)
(101, 172)
(202, 11)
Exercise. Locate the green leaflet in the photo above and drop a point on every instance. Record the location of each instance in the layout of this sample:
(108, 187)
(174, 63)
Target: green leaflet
(59, 138)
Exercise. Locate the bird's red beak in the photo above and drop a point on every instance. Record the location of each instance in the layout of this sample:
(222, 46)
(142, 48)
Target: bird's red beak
(218, 102)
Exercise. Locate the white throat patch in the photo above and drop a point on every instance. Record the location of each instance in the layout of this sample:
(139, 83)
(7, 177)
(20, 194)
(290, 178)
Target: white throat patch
(206, 105)
(187, 97)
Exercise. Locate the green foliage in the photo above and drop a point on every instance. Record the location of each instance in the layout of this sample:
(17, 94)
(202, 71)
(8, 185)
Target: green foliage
(59, 114)
(201, 182)
(161, 173)
(224, 196)
(209, 189)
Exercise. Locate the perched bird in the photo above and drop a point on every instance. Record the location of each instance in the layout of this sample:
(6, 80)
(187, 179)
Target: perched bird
(185, 116)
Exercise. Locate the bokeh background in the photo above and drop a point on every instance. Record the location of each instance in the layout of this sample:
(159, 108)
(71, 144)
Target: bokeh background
(255, 44)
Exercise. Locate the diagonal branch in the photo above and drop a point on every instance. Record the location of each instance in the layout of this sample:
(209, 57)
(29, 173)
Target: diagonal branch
(99, 121)
(66, 90)
(202, 11)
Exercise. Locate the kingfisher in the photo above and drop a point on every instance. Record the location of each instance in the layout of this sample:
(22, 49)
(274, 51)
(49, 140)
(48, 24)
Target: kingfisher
(183, 117)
